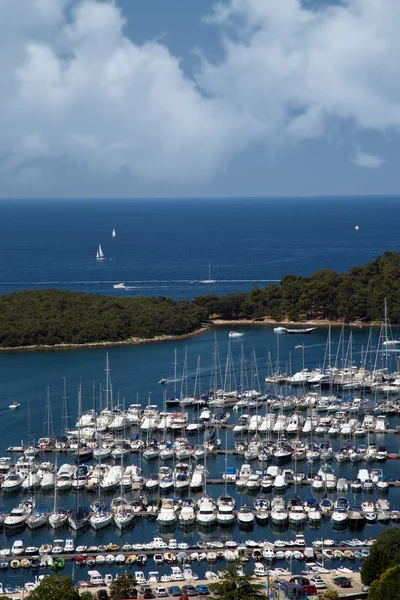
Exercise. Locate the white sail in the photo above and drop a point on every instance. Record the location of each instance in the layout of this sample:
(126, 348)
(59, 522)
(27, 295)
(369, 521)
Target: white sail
(99, 255)
(113, 233)
(209, 280)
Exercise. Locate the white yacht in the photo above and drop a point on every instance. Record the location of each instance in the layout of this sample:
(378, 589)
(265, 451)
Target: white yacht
(197, 480)
(245, 515)
(181, 475)
(18, 516)
(150, 419)
(225, 510)
(123, 516)
(101, 518)
(12, 482)
(36, 519)
(187, 515)
(166, 516)
(58, 518)
(48, 481)
(113, 478)
(279, 514)
(64, 477)
(297, 515)
(207, 513)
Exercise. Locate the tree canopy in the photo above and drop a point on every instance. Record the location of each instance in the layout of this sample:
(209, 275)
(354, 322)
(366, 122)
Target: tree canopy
(122, 587)
(236, 587)
(358, 294)
(384, 554)
(55, 587)
(387, 587)
(49, 317)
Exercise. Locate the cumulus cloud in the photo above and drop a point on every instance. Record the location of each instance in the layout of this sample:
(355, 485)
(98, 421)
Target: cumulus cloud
(368, 161)
(75, 88)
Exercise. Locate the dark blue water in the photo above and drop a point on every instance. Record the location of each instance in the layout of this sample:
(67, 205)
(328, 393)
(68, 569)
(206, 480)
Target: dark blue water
(163, 247)
(160, 248)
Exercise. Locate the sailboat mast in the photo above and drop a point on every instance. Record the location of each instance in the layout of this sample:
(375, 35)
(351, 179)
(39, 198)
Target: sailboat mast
(66, 419)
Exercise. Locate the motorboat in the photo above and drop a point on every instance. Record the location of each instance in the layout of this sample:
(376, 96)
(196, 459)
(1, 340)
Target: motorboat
(167, 516)
(261, 506)
(12, 482)
(225, 510)
(187, 516)
(207, 513)
(113, 478)
(197, 480)
(245, 515)
(18, 516)
(235, 334)
(119, 286)
(279, 515)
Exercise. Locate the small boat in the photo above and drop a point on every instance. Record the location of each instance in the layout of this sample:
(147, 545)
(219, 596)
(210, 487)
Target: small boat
(99, 253)
(306, 331)
(14, 405)
(119, 286)
(113, 234)
(356, 228)
(235, 334)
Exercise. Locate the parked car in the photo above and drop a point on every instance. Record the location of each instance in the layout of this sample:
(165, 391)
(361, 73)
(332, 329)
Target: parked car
(102, 595)
(343, 582)
(174, 590)
(318, 582)
(161, 592)
(190, 590)
(202, 589)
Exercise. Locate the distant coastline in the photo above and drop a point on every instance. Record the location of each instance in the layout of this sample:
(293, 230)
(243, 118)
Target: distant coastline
(55, 319)
(213, 323)
(134, 341)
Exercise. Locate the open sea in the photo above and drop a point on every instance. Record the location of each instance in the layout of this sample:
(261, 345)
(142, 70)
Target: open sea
(163, 247)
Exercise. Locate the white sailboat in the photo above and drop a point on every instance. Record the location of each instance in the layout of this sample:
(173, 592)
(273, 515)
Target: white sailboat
(113, 233)
(209, 280)
(99, 253)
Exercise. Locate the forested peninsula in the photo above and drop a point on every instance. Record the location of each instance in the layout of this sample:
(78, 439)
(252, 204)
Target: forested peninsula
(54, 317)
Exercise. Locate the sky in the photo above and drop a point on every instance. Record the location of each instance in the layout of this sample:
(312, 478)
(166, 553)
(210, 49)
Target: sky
(189, 98)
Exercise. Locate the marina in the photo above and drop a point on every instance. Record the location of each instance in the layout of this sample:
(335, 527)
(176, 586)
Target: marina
(281, 474)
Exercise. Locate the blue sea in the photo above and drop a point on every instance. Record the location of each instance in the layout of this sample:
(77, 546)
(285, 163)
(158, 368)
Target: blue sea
(163, 247)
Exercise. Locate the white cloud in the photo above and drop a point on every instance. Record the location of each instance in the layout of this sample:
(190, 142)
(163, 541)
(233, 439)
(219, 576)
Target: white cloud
(369, 161)
(74, 88)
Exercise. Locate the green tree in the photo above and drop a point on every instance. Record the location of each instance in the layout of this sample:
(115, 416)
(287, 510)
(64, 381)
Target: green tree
(236, 587)
(387, 587)
(331, 595)
(384, 554)
(122, 587)
(87, 596)
(55, 587)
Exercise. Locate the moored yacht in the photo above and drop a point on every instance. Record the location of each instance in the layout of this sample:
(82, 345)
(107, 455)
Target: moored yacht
(225, 510)
(207, 513)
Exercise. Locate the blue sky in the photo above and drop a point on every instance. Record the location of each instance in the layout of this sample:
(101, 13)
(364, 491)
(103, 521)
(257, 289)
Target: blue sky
(209, 98)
